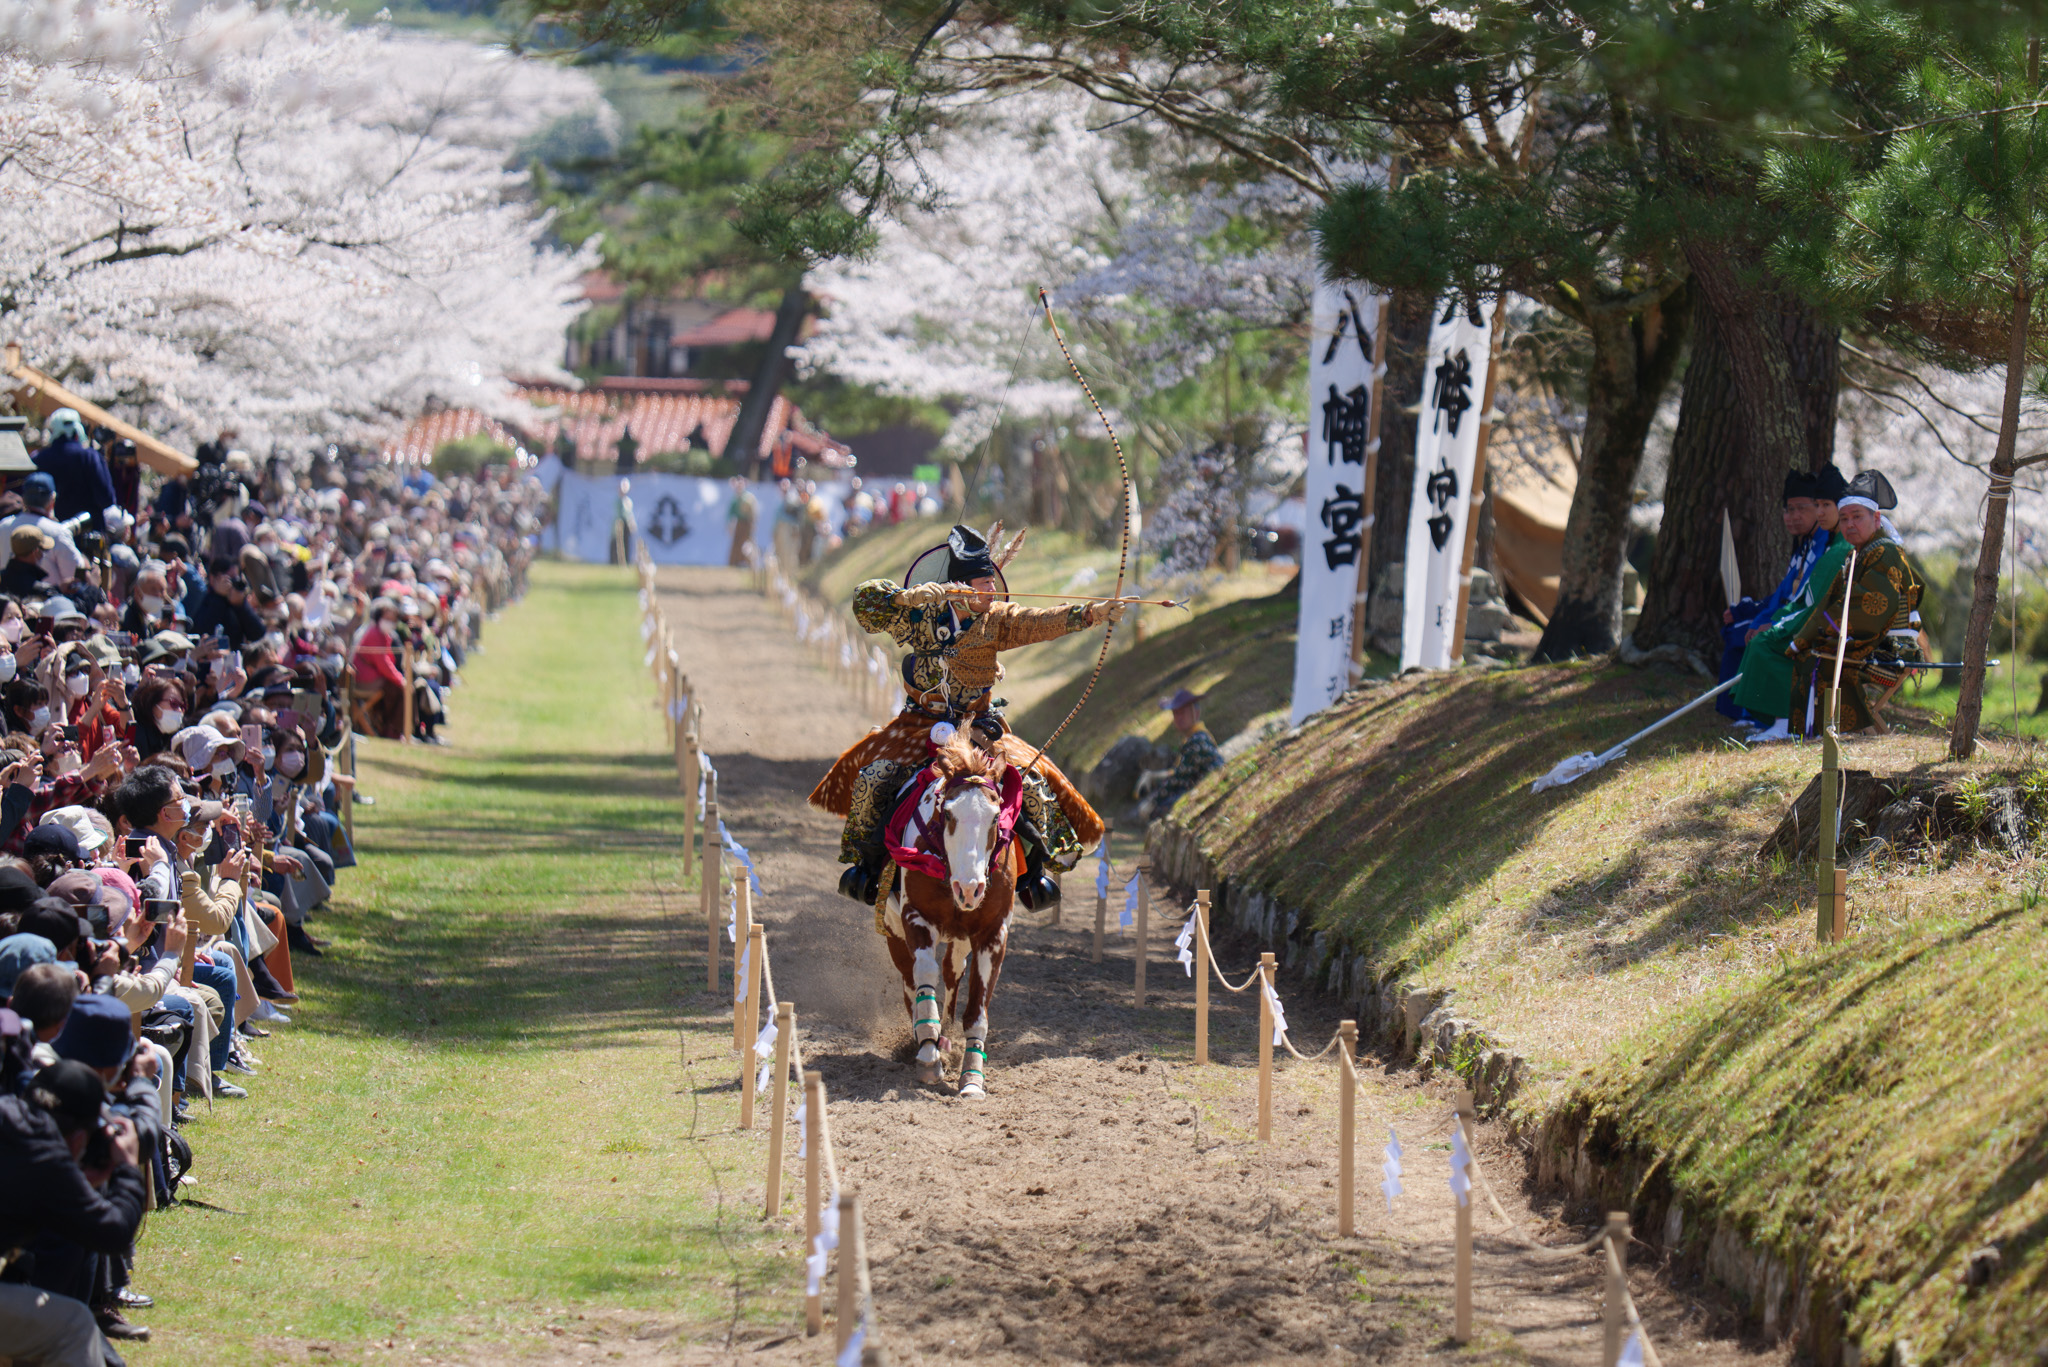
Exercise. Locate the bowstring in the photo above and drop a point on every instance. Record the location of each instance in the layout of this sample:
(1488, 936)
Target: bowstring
(1123, 552)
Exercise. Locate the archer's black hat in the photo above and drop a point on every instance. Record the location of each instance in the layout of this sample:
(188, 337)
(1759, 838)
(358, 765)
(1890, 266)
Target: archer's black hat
(969, 557)
(1829, 484)
(1799, 484)
(1875, 487)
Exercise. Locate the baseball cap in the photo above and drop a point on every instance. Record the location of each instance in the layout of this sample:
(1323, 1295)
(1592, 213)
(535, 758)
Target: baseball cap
(77, 820)
(26, 540)
(71, 1091)
(53, 839)
(20, 952)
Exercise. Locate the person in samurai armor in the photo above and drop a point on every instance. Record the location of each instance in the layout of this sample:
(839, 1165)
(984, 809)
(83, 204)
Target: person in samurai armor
(954, 614)
(1878, 605)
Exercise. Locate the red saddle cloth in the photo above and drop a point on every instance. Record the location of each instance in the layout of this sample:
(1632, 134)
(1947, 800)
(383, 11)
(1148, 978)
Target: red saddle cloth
(933, 862)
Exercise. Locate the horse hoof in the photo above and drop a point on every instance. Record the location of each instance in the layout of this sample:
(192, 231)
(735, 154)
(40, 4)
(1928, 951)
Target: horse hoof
(972, 1092)
(931, 1074)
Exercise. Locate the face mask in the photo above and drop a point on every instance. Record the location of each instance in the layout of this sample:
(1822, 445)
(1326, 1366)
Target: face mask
(190, 808)
(6, 668)
(291, 764)
(38, 719)
(223, 767)
(269, 756)
(77, 685)
(11, 629)
(151, 605)
(169, 719)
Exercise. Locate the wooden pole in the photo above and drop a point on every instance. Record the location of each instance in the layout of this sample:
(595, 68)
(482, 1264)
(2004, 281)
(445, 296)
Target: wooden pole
(1347, 1122)
(1841, 902)
(1202, 978)
(406, 739)
(712, 892)
(348, 789)
(690, 773)
(1462, 1317)
(814, 1185)
(750, 1012)
(1614, 1319)
(778, 1104)
(743, 929)
(1143, 931)
(846, 1312)
(1830, 805)
(1266, 966)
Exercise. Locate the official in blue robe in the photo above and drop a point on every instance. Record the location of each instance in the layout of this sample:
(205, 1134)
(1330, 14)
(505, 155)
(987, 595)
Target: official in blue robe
(1749, 616)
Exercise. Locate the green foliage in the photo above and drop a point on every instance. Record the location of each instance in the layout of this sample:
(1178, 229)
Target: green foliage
(469, 454)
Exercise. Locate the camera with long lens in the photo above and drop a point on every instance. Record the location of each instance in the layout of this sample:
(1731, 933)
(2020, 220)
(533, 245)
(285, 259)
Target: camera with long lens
(99, 1147)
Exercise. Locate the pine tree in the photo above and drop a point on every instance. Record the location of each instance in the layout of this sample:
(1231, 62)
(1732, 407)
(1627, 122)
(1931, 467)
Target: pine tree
(1945, 239)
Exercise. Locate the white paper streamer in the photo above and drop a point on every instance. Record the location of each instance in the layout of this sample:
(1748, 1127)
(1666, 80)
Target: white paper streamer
(739, 971)
(849, 1356)
(827, 1240)
(643, 600)
(732, 917)
(646, 627)
(1391, 1183)
(1185, 942)
(1461, 1164)
(739, 852)
(803, 1132)
(1279, 1013)
(1102, 870)
(764, 1050)
(1129, 917)
(651, 650)
(1631, 1352)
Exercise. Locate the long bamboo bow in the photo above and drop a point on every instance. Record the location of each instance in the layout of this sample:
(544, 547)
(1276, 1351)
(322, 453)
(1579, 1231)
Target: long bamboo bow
(1123, 553)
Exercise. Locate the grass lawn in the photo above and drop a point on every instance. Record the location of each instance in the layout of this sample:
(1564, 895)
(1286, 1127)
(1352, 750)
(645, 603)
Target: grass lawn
(503, 1103)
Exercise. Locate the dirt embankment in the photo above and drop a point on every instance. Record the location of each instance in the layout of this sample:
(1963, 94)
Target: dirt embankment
(1108, 1202)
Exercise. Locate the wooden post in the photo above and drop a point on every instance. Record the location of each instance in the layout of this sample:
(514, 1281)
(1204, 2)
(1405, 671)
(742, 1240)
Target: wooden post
(750, 1013)
(743, 928)
(1614, 1319)
(1347, 1122)
(1830, 806)
(348, 789)
(778, 1102)
(1202, 978)
(814, 1185)
(847, 1312)
(690, 773)
(406, 739)
(712, 892)
(1143, 930)
(1267, 964)
(1462, 1315)
(1841, 902)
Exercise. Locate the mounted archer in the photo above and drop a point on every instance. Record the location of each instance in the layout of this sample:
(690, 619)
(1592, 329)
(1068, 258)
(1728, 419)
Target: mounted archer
(953, 613)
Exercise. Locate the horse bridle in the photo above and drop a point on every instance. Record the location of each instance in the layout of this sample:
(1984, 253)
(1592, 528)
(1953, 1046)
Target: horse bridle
(934, 842)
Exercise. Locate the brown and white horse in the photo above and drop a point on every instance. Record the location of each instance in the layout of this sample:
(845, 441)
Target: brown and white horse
(947, 916)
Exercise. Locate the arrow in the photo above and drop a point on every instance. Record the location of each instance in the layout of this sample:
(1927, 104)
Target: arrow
(1081, 598)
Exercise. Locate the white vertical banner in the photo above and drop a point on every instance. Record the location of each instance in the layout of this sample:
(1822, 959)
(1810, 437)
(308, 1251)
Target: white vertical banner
(1446, 444)
(1338, 526)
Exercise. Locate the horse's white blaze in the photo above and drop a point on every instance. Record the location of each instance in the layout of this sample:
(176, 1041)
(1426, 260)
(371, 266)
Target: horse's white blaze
(967, 844)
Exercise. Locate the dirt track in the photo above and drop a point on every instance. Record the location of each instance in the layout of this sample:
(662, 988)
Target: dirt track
(1107, 1202)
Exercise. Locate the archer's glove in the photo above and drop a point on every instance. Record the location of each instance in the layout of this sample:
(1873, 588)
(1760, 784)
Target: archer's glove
(928, 595)
(1098, 613)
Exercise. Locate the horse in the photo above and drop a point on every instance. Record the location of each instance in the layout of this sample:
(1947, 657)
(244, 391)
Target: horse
(947, 913)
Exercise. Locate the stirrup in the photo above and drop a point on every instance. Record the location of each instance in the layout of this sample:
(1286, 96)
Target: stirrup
(1037, 891)
(861, 882)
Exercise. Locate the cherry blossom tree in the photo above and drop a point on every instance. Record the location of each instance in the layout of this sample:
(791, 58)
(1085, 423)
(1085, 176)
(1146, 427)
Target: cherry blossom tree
(307, 235)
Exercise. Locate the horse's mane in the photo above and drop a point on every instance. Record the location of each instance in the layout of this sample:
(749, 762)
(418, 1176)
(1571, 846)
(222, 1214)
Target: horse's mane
(959, 758)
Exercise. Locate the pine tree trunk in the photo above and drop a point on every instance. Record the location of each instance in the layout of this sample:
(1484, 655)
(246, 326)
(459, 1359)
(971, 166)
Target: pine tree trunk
(1962, 736)
(1408, 325)
(1715, 466)
(743, 443)
(1633, 360)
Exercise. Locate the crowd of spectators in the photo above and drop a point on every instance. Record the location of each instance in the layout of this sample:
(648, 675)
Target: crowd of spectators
(179, 682)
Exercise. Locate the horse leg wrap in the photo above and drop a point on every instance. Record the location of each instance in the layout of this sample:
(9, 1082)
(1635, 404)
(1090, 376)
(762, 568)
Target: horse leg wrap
(974, 1062)
(924, 1015)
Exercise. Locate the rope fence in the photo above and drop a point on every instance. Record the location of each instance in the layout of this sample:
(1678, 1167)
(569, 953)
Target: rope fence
(834, 1223)
(770, 1051)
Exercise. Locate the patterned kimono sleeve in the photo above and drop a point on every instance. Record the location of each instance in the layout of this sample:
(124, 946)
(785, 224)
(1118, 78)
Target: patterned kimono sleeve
(1873, 600)
(876, 608)
(1198, 755)
(1011, 626)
